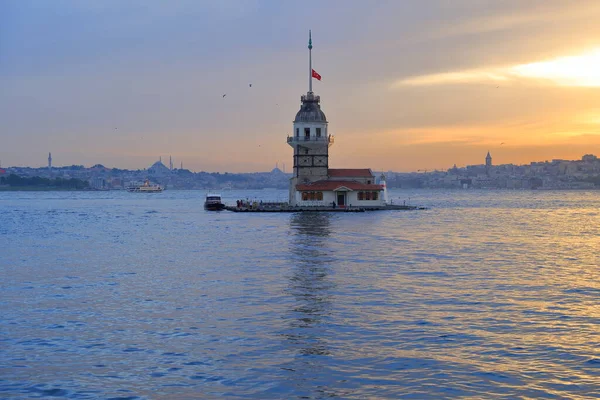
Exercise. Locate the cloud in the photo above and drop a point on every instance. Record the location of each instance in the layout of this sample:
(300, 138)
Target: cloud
(487, 17)
(581, 70)
(469, 76)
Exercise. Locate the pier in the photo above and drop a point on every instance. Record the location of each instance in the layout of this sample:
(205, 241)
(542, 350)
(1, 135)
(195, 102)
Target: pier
(285, 207)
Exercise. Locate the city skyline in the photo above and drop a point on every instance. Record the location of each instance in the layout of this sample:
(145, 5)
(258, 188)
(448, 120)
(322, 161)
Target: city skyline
(548, 175)
(171, 165)
(406, 86)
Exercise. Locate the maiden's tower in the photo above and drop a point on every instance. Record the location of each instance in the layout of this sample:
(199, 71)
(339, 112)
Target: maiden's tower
(313, 182)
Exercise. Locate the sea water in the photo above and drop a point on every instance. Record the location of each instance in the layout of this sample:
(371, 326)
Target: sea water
(116, 295)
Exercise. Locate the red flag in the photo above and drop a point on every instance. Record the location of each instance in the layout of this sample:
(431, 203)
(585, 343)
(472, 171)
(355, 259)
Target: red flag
(316, 75)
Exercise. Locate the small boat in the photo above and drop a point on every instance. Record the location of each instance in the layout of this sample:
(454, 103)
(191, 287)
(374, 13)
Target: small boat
(213, 202)
(145, 188)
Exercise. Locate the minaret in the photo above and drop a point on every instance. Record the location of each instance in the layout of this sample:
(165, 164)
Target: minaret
(170, 163)
(49, 160)
(181, 167)
(309, 138)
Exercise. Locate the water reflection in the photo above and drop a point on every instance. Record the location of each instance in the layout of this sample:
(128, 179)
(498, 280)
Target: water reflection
(311, 288)
(309, 283)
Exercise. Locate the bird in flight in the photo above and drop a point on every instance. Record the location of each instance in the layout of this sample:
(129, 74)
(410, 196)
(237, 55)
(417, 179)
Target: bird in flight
(250, 84)
(497, 87)
(501, 143)
(224, 95)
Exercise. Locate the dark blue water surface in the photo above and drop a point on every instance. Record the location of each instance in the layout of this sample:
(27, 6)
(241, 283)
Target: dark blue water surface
(115, 295)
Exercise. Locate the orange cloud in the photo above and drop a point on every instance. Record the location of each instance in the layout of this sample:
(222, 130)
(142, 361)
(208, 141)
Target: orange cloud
(578, 70)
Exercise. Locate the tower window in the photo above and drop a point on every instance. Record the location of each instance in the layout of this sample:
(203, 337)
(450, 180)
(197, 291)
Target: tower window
(297, 132)
(318, 132)
(306, 133)
(305, 151)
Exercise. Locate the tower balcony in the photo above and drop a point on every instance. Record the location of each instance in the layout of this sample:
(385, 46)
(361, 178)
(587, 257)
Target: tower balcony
(310, 97)
(310, 141)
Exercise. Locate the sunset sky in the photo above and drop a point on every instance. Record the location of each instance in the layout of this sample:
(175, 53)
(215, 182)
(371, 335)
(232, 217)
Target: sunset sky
(407, 85)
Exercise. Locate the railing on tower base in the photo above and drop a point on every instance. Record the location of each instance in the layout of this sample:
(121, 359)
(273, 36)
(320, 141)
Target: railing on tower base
(310, 139)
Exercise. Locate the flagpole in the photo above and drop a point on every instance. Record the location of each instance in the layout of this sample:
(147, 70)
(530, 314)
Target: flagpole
(309, 62)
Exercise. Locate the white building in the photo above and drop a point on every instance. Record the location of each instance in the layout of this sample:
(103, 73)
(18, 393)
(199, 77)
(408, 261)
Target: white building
(313, 182)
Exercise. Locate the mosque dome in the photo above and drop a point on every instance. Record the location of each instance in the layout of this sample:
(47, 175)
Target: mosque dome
(158, 168)
(310, 110)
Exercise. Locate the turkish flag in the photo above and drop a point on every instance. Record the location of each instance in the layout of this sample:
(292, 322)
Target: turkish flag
(316, 75)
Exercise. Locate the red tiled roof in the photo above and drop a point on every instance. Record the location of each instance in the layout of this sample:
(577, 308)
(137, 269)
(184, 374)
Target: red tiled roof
(350, 173)
(335, 185)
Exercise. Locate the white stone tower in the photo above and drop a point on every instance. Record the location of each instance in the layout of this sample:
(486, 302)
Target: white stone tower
(310, 139)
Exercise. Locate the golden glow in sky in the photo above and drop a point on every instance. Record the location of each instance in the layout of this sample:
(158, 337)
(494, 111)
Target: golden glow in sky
(579, 70)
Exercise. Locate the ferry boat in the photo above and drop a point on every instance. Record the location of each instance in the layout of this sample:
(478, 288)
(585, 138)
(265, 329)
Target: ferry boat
(213, 202)
(145, 188)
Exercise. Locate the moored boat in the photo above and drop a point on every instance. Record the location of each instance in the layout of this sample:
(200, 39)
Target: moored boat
(213, 202)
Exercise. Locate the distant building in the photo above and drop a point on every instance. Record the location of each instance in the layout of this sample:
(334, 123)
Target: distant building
(49, 160)
(589, 158)
(98, 183)
(488, 160)
(276, 170)
(158, 169)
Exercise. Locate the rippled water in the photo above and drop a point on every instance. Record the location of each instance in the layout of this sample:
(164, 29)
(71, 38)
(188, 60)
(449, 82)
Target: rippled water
(119, 295)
